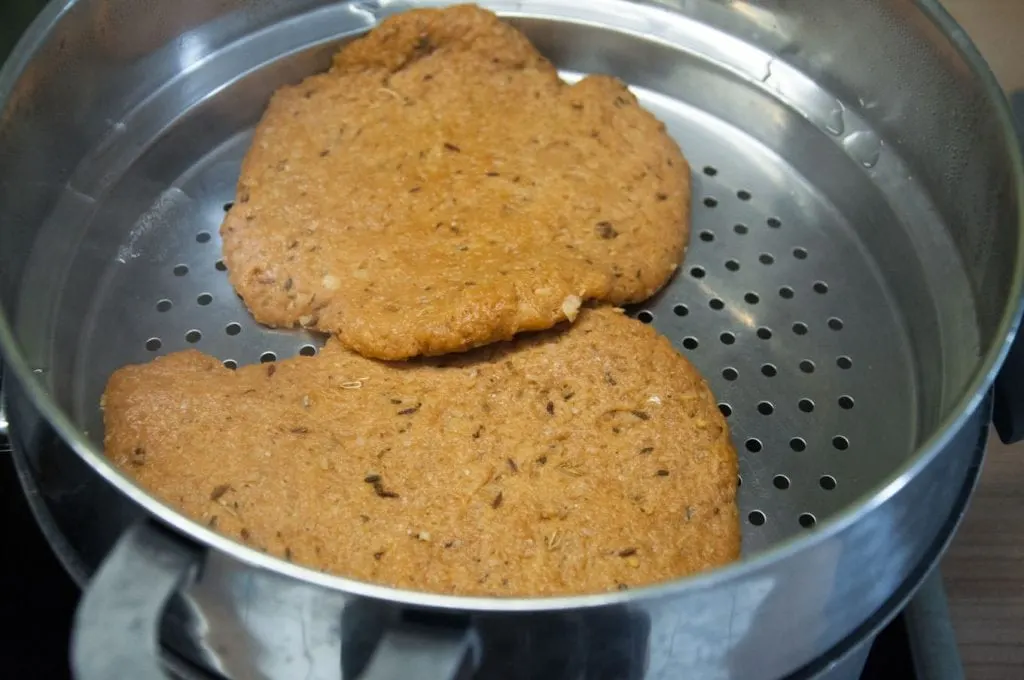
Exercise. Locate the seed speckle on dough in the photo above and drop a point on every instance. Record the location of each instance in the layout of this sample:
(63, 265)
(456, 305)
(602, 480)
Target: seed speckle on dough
(642, 415)
(627, 552)
(662, 473)
(219, 491)
(606, 231)
(550, 408)
(330, 282)
(496, 503)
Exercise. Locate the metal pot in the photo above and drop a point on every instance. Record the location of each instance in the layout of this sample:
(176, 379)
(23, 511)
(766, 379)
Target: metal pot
(852, 287)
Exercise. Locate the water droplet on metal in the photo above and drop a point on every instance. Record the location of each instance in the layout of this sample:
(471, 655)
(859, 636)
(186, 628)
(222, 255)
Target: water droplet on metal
(835, 123)
(864, 147)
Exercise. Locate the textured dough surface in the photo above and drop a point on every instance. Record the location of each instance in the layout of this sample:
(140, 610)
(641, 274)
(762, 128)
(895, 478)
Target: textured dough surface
(562, 462)
(441, 188)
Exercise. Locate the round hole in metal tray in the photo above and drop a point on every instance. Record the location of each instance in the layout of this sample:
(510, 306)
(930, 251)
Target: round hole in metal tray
(756, 517)
(307, 350)
(707, 236)
(710, 170)
(645, 316)
(680, 310)
(204, 299)
(164, 305)
(193, 336)
(268, 357)
(740, 228)
(780, 482)
(827, 482)
(725, 409)
(807, 520)
(203, 237)
(716, 304)
(727, 338)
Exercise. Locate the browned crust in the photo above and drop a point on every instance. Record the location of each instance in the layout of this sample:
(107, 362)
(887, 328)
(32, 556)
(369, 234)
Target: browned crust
(441, 188)
(566, 462)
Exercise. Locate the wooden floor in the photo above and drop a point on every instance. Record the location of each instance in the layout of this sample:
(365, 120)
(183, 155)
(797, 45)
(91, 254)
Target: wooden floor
(984, 569)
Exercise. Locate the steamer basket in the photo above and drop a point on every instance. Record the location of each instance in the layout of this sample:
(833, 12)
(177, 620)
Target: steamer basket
(851, 285)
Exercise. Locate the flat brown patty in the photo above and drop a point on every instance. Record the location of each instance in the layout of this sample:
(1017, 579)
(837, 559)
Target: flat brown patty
(441, 188)
(565, 462)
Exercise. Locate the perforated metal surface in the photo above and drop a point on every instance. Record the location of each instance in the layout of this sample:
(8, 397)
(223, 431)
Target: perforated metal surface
(777, 304)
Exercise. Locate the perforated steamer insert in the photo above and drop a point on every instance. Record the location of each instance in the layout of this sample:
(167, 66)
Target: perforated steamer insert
(778, 303)
(852, 282)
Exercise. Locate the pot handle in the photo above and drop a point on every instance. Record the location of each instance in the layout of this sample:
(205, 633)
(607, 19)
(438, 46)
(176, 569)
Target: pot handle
(434, 650)
(1008, 395)
(1008, 402)
(116, 632)
(117, 625)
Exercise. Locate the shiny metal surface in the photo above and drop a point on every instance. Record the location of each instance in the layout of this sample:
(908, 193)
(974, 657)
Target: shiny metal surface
(117, 623)
(841, 662)
(885, 267)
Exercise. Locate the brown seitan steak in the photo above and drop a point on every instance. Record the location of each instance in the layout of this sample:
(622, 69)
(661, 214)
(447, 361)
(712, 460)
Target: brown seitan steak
(581, 461)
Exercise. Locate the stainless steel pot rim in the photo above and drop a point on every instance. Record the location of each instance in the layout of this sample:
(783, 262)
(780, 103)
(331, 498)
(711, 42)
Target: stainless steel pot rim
(966, 405)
